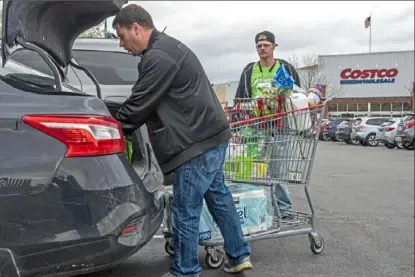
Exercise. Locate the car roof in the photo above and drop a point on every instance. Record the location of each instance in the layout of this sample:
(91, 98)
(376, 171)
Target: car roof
(98, 44)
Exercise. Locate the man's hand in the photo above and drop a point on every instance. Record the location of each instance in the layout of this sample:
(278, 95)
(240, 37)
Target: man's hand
(128, 129)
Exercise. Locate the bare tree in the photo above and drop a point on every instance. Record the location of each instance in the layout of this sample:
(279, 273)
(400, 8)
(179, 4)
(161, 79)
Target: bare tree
(94, 32)
(311, 72)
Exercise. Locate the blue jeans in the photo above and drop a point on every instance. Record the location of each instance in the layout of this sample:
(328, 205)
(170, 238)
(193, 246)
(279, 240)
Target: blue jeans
(203, 177)
(278, 169)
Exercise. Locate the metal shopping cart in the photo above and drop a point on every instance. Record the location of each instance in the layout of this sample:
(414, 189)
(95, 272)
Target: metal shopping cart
(268, 147)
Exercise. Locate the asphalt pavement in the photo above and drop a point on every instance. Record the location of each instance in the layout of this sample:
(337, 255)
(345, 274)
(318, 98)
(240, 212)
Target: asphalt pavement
(364, 199)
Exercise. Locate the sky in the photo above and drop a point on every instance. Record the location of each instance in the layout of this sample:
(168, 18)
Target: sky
(222, 33)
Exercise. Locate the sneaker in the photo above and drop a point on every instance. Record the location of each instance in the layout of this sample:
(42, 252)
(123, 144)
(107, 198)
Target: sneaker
(236, 267)
(287, 217)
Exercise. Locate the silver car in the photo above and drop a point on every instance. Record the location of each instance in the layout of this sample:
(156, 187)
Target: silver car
(386, 133)
(364, 130)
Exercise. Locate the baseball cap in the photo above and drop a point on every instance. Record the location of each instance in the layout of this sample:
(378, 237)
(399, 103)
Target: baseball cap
(265, 35)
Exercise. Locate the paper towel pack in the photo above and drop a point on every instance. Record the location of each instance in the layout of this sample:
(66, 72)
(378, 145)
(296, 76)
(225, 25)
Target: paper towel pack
(251, 204)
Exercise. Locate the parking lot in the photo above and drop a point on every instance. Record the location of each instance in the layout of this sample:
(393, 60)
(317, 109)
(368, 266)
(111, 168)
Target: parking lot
(364, 198)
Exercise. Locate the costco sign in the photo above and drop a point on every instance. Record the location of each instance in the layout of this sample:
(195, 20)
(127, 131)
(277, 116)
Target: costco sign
(351, 76)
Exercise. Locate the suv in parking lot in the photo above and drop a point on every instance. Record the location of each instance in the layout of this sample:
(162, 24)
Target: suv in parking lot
(330, 128)
(386, 133)
(344, 130)
(405, 132)
(71, 202)
(364, 130)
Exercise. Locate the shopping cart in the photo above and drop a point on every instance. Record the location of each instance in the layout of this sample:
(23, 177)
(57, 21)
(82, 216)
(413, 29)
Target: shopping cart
(268, 147)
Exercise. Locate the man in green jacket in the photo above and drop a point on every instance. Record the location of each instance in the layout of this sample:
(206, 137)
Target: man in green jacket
(257, 75)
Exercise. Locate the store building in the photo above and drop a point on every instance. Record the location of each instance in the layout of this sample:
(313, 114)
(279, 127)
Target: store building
(369, 84)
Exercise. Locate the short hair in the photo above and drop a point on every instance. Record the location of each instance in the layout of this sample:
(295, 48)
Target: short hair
(133, 14)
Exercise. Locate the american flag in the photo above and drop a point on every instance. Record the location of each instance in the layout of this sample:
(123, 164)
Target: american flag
(367, 22)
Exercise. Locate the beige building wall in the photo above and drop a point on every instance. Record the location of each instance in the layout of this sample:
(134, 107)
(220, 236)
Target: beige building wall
(220, 91)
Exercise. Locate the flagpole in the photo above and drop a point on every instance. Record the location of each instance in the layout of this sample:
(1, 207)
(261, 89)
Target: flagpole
(370, 33)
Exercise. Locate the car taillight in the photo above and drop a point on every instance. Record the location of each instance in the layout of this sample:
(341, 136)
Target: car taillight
(328, 127)
(83, 135)
(388, 129)
(361, 127)
(410, 124)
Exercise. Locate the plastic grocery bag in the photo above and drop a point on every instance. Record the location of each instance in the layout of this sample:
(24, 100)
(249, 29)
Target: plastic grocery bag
(283, 80)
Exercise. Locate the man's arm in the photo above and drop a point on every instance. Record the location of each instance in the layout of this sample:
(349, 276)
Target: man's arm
(156, 76)
(241, 90)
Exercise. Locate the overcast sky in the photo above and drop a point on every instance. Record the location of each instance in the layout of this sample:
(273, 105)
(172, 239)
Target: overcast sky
(222, 33)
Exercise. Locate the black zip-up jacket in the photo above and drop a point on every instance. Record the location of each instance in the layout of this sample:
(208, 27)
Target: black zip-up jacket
(244, 88)
(174, 97)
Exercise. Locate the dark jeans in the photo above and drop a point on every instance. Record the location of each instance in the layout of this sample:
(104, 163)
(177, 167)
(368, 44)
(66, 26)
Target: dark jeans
(202, 177)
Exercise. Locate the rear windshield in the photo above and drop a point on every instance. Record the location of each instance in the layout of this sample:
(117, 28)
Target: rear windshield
(357, 121)
(109, 68)
(27, 71)
(388, 123)
(408, 118)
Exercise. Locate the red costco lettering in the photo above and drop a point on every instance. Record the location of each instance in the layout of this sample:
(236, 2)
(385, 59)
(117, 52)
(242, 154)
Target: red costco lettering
(349, 73)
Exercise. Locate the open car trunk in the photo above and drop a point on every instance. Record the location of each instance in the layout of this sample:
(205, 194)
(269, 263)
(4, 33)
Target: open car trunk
(143, 159)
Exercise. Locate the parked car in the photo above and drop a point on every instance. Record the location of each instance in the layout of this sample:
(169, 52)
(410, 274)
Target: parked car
(386, 133)
(364, 130)
(344, 130)
(330, 128)
(405, 131)
(321, 131)
(408, 135)
(71, 202)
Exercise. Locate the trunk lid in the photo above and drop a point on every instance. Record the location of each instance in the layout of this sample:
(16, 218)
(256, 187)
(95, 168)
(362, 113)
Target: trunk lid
(51, 25)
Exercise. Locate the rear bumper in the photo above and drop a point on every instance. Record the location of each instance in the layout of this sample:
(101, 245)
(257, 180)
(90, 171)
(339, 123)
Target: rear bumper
(385, 138)
(358, 136)
(342, 135)
(77, 224)
(83, 256)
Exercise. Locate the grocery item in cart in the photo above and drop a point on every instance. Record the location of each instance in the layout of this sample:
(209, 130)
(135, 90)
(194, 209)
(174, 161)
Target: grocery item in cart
(314, 95)
(252, 207)
(243, 161)
(301, 120)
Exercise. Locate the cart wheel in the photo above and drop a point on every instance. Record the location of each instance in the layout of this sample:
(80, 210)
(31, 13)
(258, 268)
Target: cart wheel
(317, 246)
(169, 248)
(215, 263)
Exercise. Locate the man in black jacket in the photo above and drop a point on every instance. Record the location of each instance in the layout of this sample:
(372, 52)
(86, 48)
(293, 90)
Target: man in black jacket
(255, 76)
(189, 132)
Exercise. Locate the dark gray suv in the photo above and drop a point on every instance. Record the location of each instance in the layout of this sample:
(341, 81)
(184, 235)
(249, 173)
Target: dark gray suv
(71, 202)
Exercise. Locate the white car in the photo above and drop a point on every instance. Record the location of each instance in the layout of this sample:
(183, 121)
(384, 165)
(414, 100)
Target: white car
(386, 133)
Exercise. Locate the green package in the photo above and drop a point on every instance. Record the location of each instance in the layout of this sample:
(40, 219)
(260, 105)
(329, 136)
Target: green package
(129, 150)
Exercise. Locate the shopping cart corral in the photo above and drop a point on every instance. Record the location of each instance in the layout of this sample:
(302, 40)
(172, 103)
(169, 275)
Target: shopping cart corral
(267, 149)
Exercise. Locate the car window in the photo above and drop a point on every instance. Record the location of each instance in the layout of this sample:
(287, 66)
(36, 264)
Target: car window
(338, 121)
(32, 60)
(27, 71)
(357, 121)
(109, 68)
(408, 118)
(344, 122)
(376, 121)
(388, 123)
